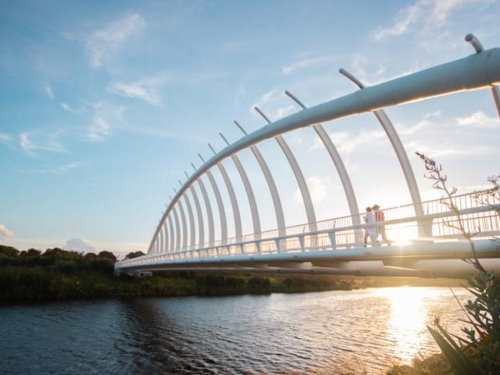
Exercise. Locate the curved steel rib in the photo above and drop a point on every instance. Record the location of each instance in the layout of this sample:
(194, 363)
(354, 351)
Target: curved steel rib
(184, 225)
(162, 240)
(470, 73)
(248, 189)
(220, 205)
(304, 189)
(192, 233)
(199, 215)
(210, 215)
(232, 198)
(177, 230)
(398, 147)
(278, 208)
(340, 166)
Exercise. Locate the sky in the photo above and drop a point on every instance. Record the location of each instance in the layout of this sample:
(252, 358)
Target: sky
(105, 104)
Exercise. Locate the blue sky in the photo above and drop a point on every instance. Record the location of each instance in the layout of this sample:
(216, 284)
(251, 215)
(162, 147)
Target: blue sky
(104, 104)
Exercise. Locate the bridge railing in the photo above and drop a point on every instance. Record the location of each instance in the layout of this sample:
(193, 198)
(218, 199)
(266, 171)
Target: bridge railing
(463, 201)
(339, 233)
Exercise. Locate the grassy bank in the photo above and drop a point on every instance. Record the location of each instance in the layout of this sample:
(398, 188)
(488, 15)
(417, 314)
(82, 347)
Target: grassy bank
(31, 276)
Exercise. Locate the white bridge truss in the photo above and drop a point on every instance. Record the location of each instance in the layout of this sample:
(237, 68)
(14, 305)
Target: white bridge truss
(335, 245)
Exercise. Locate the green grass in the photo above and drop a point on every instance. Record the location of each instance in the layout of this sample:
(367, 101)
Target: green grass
(56, 274)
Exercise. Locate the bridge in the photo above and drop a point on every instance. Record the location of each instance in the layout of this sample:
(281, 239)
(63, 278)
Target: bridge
(433, 245)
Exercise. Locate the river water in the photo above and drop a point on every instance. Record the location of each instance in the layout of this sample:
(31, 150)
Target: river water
(303, 333)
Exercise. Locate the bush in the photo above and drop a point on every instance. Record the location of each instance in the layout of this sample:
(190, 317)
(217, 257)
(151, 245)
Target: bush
(8, 251)
(259, 285)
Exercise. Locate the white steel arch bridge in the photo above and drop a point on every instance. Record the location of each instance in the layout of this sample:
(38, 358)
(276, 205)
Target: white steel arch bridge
(180, 241)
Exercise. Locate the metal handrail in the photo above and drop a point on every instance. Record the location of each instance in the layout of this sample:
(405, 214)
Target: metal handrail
(300, 237)
(299, 228)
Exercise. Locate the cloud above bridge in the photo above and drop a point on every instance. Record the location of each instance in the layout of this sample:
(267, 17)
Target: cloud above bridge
(146, 89)
(35, 140)
(480, 120)
(106, 41)
(424, 17)
(274, 104)
(317, 188)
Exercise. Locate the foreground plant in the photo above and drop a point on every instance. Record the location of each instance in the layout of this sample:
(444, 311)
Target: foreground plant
(478, 352)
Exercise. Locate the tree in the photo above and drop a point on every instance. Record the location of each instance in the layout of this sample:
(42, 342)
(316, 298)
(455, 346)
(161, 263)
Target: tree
(31, 252)
(8, 251)
(90, 256)
(134, 254)
(107, 255)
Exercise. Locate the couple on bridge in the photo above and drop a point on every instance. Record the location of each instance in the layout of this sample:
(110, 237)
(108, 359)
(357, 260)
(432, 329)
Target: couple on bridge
(375, 217)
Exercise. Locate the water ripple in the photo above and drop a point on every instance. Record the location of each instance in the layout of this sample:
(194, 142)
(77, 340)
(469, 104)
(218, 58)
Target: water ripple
(275, 334)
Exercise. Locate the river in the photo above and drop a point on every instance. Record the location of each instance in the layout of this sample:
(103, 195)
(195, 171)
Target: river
(367, 329)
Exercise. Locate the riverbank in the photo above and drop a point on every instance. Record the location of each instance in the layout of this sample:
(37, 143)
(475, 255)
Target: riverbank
(33, 276)
(39, 284)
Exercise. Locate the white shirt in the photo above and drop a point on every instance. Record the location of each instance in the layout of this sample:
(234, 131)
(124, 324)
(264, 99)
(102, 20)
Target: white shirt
(370, 220)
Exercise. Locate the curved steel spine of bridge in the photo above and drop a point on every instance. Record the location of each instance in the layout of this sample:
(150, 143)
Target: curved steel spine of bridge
(480, 70)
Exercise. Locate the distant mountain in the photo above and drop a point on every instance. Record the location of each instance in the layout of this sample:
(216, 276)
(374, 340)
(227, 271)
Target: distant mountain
(77, 244)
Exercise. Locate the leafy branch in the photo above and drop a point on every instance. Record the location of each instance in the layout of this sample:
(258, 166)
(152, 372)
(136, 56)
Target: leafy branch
(479, 351)
(434, 173)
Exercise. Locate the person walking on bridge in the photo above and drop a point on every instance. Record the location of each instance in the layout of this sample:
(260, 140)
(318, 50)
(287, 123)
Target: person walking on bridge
(380, 218)
(371, 229)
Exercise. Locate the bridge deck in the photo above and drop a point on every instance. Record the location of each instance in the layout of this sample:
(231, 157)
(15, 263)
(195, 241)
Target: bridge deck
(334, 245)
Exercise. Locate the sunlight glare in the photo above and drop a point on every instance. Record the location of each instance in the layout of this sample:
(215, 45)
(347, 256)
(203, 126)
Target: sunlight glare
(407, 322)
(401, 235)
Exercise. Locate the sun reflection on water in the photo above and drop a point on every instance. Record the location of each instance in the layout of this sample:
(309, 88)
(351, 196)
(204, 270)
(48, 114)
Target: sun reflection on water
(407, 319)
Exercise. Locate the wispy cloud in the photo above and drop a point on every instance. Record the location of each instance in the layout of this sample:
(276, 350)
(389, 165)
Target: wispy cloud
(413, 129)
(101, 125)
(69, 108)
(371, 74)
(479, 120)
(423, 17)
(273, 98)
(61, 169)
(4, 232)
(4, 137)
(317, 188)
(308, 62)
(434, 114)
(240, 93)
(266, 98)
(190, 136)
(473, 188)
(348, 143)
(455, 151)
(145, 89)
(49, 92)
(107, 40)
(35, 140)
(66, 107)
(437, 135)
(405, 19)
(359, 64)
(99, 130)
